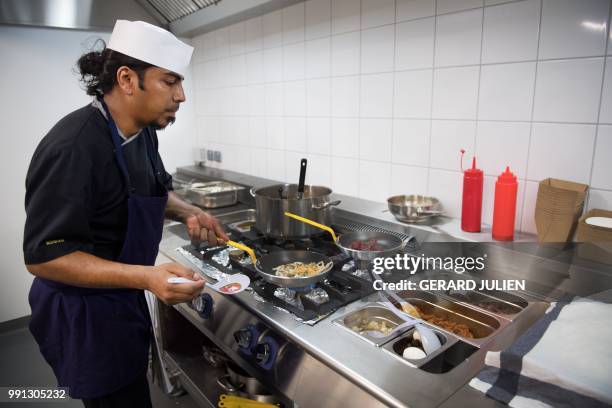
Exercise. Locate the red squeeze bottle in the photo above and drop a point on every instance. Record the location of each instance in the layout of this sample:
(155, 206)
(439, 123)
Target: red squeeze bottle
(471, 208)
(504, 210)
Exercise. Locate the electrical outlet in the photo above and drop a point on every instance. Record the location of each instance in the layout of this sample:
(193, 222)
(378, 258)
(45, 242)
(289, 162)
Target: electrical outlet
(210, 155)
(217, 156)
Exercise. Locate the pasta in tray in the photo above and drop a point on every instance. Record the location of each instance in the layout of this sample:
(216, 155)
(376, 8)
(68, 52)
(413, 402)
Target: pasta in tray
(301, 270)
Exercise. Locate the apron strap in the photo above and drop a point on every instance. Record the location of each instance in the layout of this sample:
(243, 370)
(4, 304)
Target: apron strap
(152, 155)
(118, 150)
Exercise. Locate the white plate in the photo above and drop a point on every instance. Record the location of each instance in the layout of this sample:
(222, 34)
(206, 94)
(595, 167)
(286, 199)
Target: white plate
(232, 284)
(605, 222)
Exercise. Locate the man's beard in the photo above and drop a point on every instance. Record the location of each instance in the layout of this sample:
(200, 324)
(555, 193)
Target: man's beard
(158, 126)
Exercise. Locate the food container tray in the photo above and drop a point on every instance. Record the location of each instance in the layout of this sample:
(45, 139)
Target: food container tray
(180, 180)
(213, 194)
(361, 317)
(237, 217)
(481, 325)
(212, 187)
(484, 301)
(396, 346)
(516, 300)
(512, 303)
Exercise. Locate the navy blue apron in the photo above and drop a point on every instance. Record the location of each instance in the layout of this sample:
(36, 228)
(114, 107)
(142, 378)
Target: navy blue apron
(97, 340)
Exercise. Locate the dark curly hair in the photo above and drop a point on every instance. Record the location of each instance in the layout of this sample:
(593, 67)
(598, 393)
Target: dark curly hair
(98, 69)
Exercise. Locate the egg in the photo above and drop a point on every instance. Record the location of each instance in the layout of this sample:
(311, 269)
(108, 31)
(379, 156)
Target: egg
(413, 353)
(416, 336)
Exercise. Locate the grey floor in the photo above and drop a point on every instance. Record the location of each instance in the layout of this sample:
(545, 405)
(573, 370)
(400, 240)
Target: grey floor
(21, 364)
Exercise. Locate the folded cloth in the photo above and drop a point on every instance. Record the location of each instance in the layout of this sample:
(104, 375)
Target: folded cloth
(563, 360)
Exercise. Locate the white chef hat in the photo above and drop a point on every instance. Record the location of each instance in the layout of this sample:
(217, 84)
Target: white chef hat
(151, 44)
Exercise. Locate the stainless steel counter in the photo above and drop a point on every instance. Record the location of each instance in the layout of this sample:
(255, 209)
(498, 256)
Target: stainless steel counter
(383, 378)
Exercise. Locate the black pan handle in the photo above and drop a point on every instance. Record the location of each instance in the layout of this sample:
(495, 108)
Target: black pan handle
(303, 164)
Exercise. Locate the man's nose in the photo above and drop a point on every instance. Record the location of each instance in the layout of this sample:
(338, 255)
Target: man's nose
(179, 96)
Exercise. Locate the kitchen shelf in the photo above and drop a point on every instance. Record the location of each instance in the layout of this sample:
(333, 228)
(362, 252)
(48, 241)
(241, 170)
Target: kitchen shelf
(197, 376)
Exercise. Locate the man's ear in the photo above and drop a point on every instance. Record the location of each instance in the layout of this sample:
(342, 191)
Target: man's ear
(127, 79)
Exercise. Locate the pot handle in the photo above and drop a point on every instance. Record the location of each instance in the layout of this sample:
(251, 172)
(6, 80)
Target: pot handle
(313, 223)
(325, 205)
(225, 383)
(252, 191)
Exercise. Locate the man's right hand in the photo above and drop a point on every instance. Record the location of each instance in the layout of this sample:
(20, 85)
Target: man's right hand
(173, 293)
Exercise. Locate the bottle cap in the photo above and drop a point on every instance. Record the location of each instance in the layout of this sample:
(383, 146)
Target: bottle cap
(473, 172)
(507, 177)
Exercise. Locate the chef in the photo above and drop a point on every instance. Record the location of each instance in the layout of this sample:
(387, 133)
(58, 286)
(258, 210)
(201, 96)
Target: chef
(96, 196)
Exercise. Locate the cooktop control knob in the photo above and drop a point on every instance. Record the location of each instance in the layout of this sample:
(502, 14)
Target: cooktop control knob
(243, 337)
(246, 339)
(266, 352)
(203, 304)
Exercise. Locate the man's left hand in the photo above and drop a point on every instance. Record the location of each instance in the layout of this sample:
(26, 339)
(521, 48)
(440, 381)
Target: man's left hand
(204, 227)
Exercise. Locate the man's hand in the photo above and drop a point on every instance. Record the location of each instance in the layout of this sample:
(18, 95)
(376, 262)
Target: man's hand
(173, 293)
(204, 227)
(200, 225)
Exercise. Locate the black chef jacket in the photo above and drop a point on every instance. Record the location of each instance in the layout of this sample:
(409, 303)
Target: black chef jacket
(76, 196)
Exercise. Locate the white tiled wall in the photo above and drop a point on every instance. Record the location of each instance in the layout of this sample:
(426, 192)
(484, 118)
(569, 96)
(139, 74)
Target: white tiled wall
(380, 95)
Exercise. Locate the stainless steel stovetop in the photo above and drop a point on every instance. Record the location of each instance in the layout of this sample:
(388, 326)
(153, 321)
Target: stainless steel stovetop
(309, 305)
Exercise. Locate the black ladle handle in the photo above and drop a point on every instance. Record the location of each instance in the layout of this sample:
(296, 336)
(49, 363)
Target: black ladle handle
(303, 164)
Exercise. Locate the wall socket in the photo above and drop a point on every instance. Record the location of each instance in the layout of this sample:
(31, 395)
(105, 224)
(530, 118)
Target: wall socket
(217, 156)
(210, 156)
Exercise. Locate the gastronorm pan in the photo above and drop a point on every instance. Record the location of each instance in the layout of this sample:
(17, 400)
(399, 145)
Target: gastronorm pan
(396, 346)
(213, 194)
(482, 325)
(484, 301)
(377, 313)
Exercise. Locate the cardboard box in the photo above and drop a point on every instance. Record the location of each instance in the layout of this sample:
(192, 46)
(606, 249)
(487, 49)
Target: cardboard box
(558, 207)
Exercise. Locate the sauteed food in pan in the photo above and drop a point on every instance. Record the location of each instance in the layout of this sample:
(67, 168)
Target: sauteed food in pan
(369, 245)
(289, 268)
(301, 270)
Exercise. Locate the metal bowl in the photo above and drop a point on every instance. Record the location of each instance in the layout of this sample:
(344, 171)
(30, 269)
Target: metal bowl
(414, 208)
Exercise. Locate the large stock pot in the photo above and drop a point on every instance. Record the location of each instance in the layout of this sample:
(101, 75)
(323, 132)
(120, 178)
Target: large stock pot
(273, 201)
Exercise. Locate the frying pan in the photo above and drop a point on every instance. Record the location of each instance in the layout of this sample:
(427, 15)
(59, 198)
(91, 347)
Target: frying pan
(264, 265)
(414, 208)
(390, 243)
